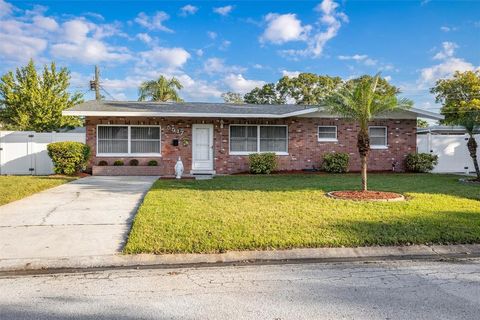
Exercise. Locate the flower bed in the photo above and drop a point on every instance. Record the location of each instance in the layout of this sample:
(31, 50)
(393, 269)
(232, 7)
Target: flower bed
(126, 170)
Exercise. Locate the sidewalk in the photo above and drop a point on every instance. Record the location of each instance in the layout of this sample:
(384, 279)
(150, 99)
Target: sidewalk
(45, 265)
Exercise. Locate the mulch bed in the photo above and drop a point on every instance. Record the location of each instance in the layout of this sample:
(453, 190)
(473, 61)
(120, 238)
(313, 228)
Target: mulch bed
(366, 195)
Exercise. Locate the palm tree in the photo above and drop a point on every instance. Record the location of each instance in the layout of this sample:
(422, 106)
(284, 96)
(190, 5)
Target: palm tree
(161, 89)
(361, 100)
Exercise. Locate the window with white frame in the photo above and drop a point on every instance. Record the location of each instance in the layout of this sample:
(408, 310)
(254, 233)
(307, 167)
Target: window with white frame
(378, 137)
(327, 133)
(128, 140)
(246, 139)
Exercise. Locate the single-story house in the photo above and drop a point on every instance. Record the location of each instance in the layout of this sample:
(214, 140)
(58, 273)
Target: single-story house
(216, 138)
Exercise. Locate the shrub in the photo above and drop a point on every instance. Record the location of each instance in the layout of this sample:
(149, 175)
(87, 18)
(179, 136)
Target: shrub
(118, 163)
(68, 157)
(103, 163)
(262, 163)
(336, 162)
(133, 162)
(420, 162)
(153, 163)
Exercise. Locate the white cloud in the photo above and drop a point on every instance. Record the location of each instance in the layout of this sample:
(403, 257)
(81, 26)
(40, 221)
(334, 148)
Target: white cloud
(82, 42)
(212, 35)
(447, 66)
(45, 23)
(284, 28)
(225, 44)
(168, 58)
(199, 52)
(154, 22)
(361, 58)
(326, 29)
(144, 37)
(5, 8)
(445, 29)
(90, 51)
(217, 65)
(188, 10)
(237, 83)
(195, 89)
(291, 74)
(20, 48)
(448, 50)
(223, 11)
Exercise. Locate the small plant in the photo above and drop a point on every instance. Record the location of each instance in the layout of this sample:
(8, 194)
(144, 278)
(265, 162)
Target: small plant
(133, 162)
(420, 162)
(153, 163)
(262, 163)
(68, 157)
(118, 163)
(336, 162)
(103, 163)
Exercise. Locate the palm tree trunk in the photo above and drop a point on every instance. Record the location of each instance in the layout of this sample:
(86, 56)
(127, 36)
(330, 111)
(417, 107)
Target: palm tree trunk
(364, 173)
(472, 148)
(363, 145)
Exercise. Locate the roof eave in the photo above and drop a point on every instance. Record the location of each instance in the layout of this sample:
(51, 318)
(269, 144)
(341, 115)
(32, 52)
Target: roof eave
(92, 113)
(427, 114)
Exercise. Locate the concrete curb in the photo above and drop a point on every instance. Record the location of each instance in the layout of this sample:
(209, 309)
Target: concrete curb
(83, 263)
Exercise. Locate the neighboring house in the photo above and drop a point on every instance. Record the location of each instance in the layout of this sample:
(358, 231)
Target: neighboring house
(449, 143)
(217, 138)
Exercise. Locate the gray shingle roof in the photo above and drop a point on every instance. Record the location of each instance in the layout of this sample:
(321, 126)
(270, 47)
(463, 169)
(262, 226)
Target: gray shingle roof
(188, 108)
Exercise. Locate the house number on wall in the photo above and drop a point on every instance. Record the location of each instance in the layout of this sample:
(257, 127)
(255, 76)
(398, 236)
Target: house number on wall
(173, 129)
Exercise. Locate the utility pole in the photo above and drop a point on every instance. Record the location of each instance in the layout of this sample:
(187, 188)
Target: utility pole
(95, 84)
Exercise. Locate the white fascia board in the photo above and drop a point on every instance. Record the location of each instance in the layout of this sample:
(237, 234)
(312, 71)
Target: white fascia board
(427, 114)
(182, 114)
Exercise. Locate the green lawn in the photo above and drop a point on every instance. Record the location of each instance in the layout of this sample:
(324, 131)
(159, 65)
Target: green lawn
(287, 211)
(17, 187)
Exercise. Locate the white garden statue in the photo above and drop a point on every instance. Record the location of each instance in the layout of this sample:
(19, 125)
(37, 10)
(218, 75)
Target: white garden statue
(179, 168)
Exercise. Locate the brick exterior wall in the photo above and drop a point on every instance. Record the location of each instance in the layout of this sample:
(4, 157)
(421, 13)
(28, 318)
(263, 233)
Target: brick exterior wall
(305, 151)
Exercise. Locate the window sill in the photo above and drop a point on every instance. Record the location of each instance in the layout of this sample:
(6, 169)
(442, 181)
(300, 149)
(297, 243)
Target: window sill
(327, 140)
(249, 153)
(129, 155)
(379, 147)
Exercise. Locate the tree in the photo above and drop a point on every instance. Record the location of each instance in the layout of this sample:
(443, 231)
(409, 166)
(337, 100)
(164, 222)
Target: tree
(460, 99)
(33, 102)
(232, 97)
(422, 123)
(268, 94)
(307, 88)
(161, 89)
(361, 100)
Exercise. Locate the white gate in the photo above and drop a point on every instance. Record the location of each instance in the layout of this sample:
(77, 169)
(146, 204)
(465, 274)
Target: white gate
(452, 151)
(25, 152)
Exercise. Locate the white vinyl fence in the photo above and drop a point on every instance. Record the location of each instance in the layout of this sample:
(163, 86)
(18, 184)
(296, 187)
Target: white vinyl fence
(25, 152)
(452, 151)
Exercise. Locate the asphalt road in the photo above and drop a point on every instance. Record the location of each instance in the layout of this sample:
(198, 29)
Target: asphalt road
(387, 290)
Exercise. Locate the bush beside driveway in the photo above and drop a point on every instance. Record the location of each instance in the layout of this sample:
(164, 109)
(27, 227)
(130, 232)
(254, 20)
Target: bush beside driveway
(287, 211)
(17, 187)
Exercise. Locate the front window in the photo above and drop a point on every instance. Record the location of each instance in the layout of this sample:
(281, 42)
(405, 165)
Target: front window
(378, 137)
(327, 133)
(245, 139)
(128, 140)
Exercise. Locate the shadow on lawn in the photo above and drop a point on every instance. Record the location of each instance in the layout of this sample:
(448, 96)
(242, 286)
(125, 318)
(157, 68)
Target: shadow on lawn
(444, 227)
(402, 183)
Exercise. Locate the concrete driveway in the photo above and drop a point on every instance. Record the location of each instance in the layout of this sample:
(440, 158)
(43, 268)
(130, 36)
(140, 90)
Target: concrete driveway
(90, 216)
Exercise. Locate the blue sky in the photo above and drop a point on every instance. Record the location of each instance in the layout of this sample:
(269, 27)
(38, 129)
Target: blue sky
(219, 46)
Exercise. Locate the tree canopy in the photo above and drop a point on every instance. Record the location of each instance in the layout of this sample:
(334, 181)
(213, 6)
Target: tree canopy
(306, 88)
(232, 97)
(34, 102)
(162, 89)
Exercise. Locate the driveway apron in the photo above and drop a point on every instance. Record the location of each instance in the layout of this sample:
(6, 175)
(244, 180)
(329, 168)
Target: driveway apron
(87, 217)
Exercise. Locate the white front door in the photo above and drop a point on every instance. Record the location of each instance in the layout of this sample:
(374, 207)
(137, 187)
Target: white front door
(202, 147)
